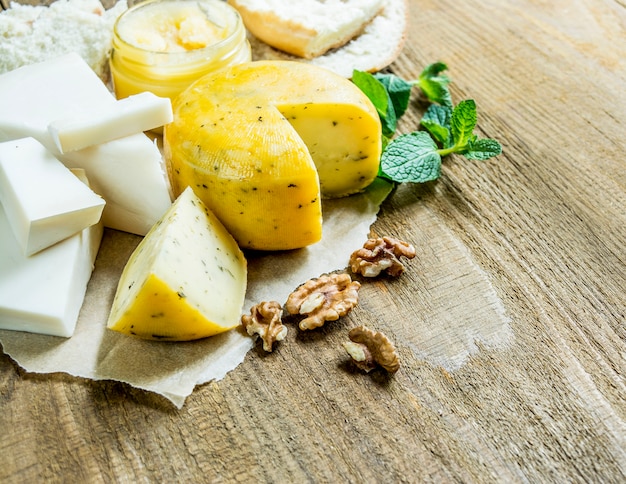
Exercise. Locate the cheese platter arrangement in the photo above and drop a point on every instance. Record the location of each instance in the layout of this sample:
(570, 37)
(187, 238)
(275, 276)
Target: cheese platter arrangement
(68, 107)
(228, 168)
(239, 314)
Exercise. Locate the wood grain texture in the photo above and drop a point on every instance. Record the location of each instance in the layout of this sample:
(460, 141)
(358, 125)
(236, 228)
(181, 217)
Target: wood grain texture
(539, 233)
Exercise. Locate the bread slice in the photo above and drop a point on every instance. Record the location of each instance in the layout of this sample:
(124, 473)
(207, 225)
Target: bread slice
(377, 46)
(32, 34)
(306, 28)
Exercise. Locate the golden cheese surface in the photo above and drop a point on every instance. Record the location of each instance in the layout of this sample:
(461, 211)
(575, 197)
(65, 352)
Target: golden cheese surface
(262, 142)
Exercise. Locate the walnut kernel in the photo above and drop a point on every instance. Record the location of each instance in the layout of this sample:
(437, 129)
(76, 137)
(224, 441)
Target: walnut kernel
(369, 349)
(381, 254)
(265, 320)
(326, 298)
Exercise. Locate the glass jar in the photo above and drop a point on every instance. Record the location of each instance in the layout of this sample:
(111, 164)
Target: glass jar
(163, 46)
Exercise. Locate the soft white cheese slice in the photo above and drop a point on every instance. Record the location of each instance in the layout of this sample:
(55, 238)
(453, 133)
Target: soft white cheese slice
(132, 115)
(128, 172)
(44, 293)
(43, 200)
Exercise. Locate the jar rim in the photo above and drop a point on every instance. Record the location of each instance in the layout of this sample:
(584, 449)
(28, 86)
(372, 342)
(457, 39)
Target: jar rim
(235, 28)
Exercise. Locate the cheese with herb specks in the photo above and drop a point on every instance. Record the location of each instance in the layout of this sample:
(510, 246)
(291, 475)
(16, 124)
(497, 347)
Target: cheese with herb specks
(262, 142)
(185, 280)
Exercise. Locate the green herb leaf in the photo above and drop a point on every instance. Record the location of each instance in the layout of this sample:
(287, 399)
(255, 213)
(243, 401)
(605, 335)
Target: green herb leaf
(377, 93)
(399, 91)
(436, 121)
(434, 85)
(416, 157)
(373, 89)
(463, 122)
(483, 149)
(434, 70)
(411, 157)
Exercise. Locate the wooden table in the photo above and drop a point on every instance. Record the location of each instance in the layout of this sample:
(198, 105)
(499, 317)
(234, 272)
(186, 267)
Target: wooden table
(530, 248)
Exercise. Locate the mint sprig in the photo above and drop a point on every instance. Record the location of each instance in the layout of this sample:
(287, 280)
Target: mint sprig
(416, 157)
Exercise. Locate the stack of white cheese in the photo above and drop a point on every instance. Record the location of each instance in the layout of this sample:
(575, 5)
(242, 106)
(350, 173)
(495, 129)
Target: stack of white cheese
(72, 159)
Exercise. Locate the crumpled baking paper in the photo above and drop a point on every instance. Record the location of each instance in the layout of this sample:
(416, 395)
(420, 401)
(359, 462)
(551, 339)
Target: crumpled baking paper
(174, 369)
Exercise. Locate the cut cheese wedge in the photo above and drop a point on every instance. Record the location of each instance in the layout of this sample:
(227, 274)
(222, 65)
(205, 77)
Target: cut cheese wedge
(127, 172)
(44, 293)
(262, 142)
(43, 200)
(185, 280)
(128, 116)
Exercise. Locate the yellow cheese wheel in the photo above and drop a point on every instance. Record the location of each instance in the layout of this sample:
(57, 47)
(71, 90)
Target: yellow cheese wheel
(262, 142)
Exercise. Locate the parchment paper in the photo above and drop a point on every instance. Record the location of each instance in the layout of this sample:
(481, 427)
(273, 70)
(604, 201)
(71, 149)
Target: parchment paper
(174, 369)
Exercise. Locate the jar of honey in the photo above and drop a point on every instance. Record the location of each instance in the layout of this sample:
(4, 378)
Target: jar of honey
(163, 46)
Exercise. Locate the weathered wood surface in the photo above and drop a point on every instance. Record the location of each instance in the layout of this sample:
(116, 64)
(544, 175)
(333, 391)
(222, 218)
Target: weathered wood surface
(528, 251)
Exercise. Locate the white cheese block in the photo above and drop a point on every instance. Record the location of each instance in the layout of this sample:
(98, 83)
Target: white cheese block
(44, 293)
(128, 172)
(132, 115)
(43, 200)
(185, 280)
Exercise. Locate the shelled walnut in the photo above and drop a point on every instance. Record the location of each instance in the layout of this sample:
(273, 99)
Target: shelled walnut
(370, 349)
(326, 298)
(381, 254)
(265, 320)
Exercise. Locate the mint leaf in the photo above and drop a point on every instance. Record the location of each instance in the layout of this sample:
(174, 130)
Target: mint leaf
(463, 122)
(411, 157)
(399, 91)
(436, 121)
(377, 93)
(373, 89)
(434, 85)
(483, 149)
(462, 139)
(434, 70)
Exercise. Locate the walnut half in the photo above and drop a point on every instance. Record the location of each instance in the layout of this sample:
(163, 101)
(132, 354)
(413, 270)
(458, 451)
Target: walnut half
(370, 349)
(381, 254)
(265, 320)
(326, 298)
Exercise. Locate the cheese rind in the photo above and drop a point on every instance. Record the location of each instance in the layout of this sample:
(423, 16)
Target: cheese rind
(44, 293)
(185, 280)
(128, 116)
(256, 141)
(44, 201)
(127, 172)
(265, 202)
